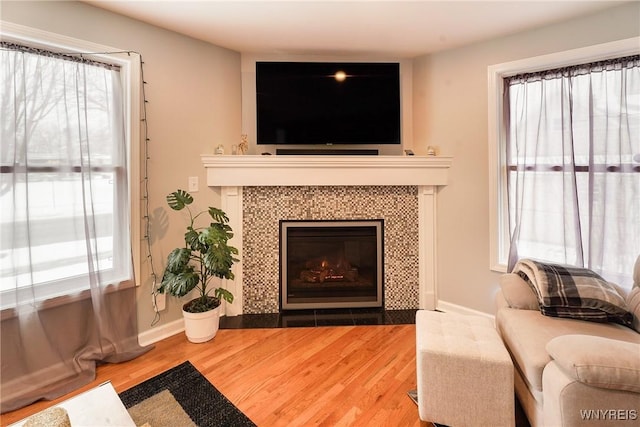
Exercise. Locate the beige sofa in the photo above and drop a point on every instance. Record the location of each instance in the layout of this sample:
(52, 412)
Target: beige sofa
(571, 372)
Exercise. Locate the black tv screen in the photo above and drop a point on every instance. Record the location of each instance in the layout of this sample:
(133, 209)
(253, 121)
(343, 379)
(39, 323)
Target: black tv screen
(327, 103)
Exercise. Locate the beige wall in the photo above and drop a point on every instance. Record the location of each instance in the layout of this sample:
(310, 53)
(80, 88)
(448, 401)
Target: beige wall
(450, 111)
(194, 104)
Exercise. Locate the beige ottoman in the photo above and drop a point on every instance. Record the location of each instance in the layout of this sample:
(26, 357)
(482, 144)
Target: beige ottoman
(464, 372)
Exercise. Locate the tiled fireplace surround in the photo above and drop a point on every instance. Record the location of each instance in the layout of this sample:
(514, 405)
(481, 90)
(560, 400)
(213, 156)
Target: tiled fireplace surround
(258, 191)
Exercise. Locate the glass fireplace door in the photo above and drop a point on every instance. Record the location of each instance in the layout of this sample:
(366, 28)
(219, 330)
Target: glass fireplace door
(331, 264)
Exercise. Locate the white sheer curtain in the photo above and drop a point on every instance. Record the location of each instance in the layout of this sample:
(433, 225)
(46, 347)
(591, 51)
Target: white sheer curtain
(66, 282)
(573, 166)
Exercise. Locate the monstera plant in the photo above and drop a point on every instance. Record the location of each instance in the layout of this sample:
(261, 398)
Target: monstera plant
(205, 255)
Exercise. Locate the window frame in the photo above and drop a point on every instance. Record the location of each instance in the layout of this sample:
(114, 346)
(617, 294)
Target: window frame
(130, 74)
(498, 208)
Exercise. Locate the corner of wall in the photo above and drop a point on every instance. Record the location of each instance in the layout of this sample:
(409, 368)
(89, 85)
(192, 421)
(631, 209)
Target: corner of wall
(448, 307)
(153, 335)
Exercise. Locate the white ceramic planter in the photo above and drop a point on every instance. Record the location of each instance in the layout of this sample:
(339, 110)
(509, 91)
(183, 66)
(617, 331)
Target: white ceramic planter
(201, 327)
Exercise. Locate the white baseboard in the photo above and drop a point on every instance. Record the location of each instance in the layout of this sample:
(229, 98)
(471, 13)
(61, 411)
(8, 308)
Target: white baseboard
(448, 307)
(161, 332)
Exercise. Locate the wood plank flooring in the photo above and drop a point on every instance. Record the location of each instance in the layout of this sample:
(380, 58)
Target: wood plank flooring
(322, 376)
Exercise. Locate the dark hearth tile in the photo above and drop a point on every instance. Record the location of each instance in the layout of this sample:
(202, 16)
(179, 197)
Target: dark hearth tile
(343, 319)
(401, 317)
(232, 322)
(293, 322)
(247, 321)
(323, 317)
(368, 316)
(297, 319)
(334, 317)
(367, 310)
(333, 311)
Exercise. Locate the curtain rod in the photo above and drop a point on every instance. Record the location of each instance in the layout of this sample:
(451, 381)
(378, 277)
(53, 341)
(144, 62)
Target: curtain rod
(578, 69)
(67, 56)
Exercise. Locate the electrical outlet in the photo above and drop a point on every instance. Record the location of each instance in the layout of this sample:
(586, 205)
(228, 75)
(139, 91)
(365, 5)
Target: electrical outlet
(193, 184)
(159, 302)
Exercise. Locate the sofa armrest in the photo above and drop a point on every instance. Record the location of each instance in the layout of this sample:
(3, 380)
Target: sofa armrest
(570, 403)
(517, 292)
(598, 361)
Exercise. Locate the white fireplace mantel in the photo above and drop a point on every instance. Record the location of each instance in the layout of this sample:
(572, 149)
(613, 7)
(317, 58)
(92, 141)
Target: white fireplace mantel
(259, 170)
(232, 173)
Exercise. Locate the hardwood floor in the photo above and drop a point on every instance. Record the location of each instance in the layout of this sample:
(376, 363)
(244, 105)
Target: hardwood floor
(322, 376)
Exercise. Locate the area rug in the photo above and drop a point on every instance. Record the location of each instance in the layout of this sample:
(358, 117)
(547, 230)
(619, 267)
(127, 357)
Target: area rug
(181, 396)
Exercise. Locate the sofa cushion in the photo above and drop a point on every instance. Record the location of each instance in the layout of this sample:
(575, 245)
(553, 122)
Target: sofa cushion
(597, 361)
(573, 292)
(633, 302)
(527, 332)
(517, 292)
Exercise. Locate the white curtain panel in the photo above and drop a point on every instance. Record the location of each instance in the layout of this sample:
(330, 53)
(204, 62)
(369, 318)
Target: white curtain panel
(573, 166)
(66, 282)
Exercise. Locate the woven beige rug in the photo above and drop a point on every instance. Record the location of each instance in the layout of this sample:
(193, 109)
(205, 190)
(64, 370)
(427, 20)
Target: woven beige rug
(160, 410)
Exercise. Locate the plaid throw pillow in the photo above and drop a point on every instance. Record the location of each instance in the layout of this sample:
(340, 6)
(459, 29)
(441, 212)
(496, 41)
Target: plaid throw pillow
(574, 292)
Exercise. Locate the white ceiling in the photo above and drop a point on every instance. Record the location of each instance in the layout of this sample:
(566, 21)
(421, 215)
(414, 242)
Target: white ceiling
(402, 29)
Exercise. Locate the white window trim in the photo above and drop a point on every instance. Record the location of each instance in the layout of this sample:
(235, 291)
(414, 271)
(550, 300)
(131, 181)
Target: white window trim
(498, 214)
(131, 84)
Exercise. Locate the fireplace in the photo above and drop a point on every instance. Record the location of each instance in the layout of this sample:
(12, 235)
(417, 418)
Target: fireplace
(331, 264)
(258, 191)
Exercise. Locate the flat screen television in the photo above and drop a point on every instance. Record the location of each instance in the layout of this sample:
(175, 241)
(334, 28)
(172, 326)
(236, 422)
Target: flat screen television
(329, 103)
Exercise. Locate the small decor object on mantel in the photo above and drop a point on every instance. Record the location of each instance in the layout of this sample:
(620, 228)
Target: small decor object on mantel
(431, 151)
(244, 144)
(219, 149)
(206, 254)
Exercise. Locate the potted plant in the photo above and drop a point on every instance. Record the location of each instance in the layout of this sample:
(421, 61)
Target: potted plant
(206, 255)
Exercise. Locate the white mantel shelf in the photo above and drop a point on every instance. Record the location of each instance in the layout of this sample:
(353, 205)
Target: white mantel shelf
(258, 170)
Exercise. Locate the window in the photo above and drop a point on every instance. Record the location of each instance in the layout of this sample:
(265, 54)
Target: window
(69, 138)
(565, 160)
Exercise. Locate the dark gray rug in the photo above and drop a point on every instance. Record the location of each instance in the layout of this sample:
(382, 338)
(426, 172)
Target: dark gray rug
(181, 392)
